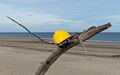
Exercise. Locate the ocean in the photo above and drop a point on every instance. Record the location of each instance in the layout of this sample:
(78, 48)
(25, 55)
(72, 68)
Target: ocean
(105, 36)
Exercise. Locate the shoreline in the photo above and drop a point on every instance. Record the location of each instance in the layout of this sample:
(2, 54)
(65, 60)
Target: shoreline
(50, 39)
(102, 41)
(97, 49)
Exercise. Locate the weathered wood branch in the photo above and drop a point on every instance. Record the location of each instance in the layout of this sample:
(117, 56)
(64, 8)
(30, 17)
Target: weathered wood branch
(75, 41)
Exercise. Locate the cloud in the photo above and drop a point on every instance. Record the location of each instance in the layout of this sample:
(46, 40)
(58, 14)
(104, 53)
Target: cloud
(113, 18)
(15, 2)
(49, 15)
(65, 24)
(36, 21)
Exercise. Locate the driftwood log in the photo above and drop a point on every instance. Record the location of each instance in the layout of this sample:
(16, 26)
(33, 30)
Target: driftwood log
(65, 47)
(72, 41)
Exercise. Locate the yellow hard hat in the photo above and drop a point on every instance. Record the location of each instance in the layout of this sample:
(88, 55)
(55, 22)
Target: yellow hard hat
(60, 35)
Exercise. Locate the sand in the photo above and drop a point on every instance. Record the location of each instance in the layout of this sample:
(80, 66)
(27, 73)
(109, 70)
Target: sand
(23, 57)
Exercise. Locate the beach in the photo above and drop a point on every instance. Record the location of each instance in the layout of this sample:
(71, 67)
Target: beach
(21, 56)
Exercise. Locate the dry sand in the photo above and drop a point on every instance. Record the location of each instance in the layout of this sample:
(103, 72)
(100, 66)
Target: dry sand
(23, 57)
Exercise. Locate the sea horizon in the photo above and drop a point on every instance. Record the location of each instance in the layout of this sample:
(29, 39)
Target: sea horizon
(103, 36)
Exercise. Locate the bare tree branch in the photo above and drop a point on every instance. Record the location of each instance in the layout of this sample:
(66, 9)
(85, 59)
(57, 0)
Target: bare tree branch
(30, 31)
(75, 40)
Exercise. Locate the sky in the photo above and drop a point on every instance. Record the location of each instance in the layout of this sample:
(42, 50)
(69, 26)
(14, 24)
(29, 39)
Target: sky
(52, 15)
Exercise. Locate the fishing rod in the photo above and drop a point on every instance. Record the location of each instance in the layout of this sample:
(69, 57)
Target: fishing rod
(29, 31)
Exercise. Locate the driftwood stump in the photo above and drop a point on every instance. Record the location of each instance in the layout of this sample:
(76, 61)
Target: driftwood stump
(75, 41)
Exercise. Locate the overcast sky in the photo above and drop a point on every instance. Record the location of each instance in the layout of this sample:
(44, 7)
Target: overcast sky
(50, 15)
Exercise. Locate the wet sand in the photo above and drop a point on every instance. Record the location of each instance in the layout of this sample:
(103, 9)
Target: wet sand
(23, 56)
